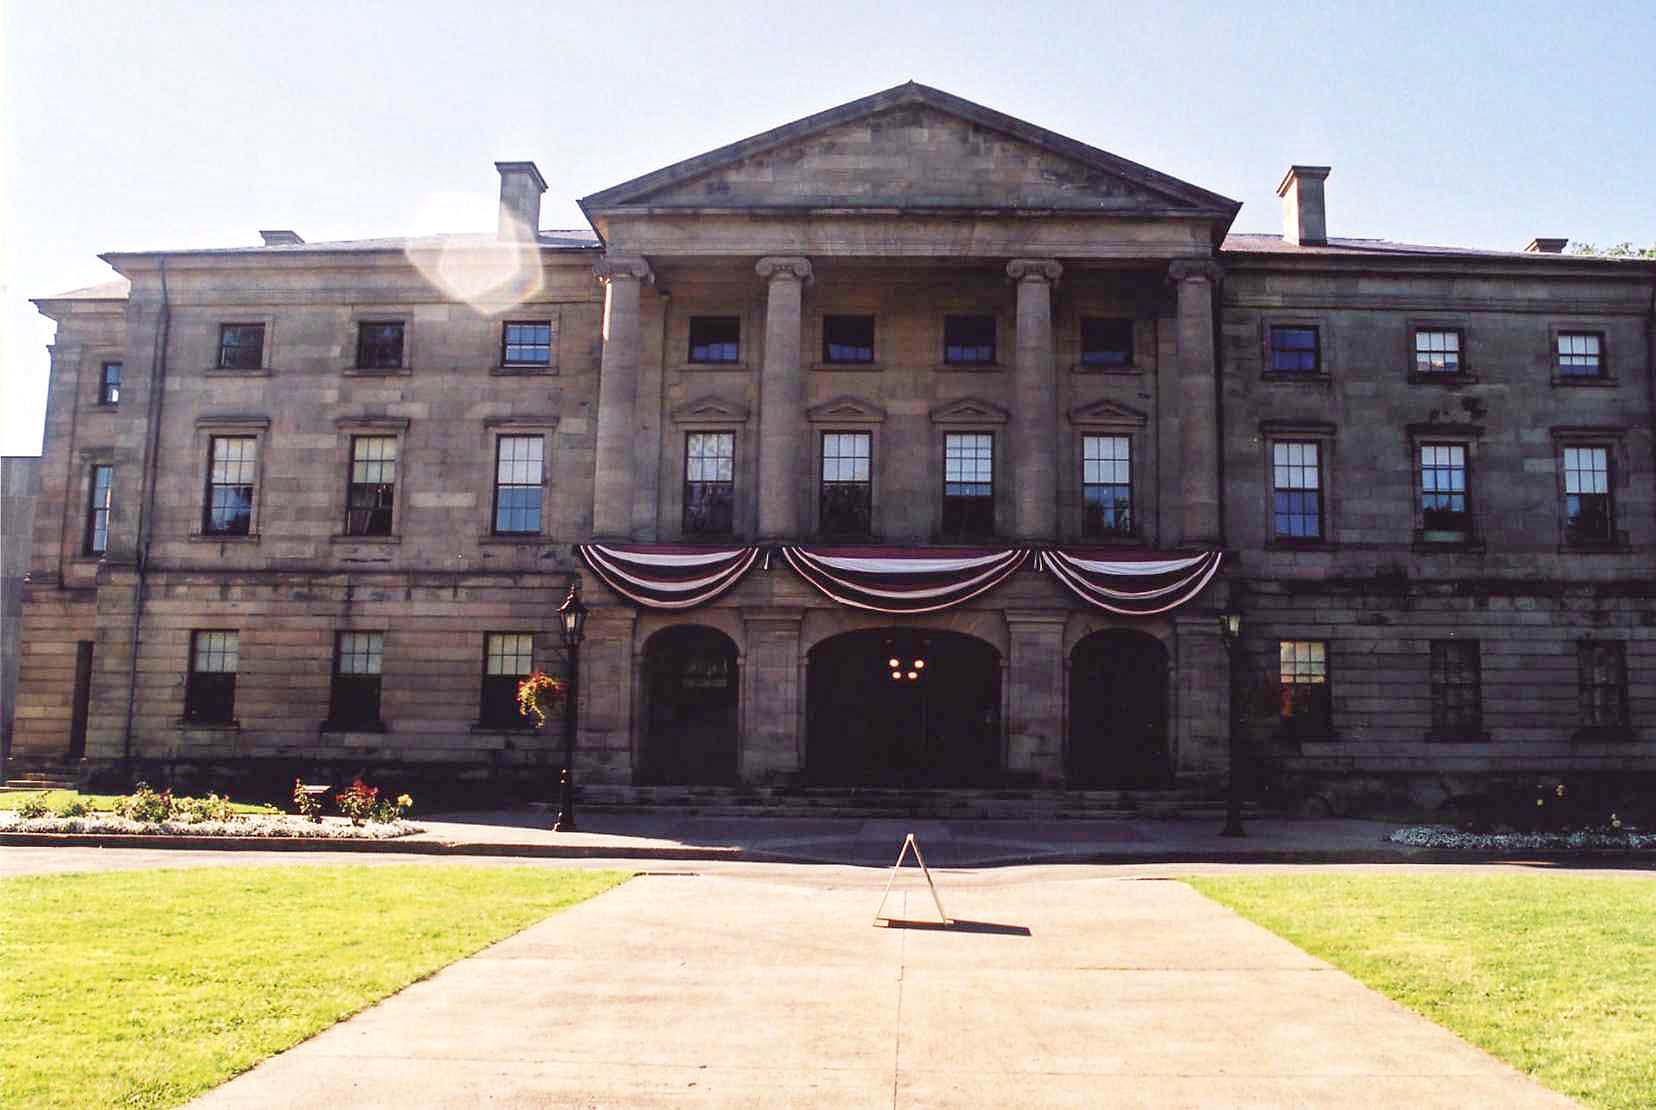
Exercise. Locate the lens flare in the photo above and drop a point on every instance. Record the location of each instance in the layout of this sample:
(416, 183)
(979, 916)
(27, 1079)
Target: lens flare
(488, 273)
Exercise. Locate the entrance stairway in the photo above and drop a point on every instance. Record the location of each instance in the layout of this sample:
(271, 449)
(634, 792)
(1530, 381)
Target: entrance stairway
(963, 804)
(40, 776)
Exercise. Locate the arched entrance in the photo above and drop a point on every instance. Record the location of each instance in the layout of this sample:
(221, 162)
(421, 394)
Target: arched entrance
(903, 707)
(690, 692)
(1118, 711)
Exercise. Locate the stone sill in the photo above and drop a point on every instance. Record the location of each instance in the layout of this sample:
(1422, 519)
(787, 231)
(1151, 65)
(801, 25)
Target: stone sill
(1124, 371)
(101, 407)
(230, 372)
(1448, 547)
(335, 728)
(1601, 382)
(1301, 545)
(1277, 377)
(1440, 738)
(393, 538)
(968, 367)
(524, 371)
(478, 728)
(184, 725)
(214, 537)
(854, 367)
(1443, 378)
(739, 367)
(377, 372)
(536, 540)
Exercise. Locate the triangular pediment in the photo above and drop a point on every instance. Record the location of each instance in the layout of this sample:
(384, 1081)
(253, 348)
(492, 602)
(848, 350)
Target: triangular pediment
(912, 147)
(1108, 412)
(853, 410)
(711, 409)
(969, 410)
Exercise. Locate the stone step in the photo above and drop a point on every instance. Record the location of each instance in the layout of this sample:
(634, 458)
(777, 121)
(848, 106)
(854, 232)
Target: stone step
(1011, 804)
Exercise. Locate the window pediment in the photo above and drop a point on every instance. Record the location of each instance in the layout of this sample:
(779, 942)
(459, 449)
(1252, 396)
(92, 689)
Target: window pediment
(846, 409)
(969, 410)
(711, 408)
(1108, 414)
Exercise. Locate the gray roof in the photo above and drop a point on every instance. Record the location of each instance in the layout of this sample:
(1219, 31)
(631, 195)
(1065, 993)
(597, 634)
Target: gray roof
(1243, 243)
(117, 290)
(571, 239)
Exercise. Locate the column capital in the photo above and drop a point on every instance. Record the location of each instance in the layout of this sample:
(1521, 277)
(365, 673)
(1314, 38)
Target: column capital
(1195, 269)
(784, 268)
(613, 266)
(1034, 269)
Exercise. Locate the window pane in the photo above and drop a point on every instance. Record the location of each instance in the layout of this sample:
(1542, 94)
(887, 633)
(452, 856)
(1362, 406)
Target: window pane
(380, 346)
(709, 483)
(509, 653)
(715, 338)
(230, 480)
(1106, 342)
(1437, 352)
(1457, 711)
(519, 483)
(241, 346)
(1579, 354)
(1106, 486)
(217, 652)
(109, 387)
(848, 339)
(969, 339)
(1294, 350)
(847, 492)
(526, 343)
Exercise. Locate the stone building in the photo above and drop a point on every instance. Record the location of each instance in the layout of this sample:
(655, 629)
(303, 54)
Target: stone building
(906, 443)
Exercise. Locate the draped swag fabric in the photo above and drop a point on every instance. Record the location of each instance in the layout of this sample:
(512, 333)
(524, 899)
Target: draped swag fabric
(903, 580)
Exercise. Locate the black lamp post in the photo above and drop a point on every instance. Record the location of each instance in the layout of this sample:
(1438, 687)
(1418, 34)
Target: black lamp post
(1230, 629)
(572, 615)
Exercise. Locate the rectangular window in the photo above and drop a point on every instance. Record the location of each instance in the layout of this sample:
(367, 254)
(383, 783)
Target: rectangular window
(848, 339)
(1444, 512)
(969, 340)
(847, 487)
(1294, 350)
(1106, 486)
(373, 486)
(520, 475)
(1457, 690)
(1296, 487)
(1603, 669)
(230, 479)
(710, 483)
(100, 497)
(1305, 707)
(1580, 354)
(241, 346)
(210, 695)
(715, 338)
(1106, 343)
(508, 658)
(355, 700)
(526, 343)
(969, 484)
(1437, 352)
(380, 345)
(109, 384)
(1589, 516)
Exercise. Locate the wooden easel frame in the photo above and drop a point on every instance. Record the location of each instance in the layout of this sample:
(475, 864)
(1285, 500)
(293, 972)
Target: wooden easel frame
(880, 919)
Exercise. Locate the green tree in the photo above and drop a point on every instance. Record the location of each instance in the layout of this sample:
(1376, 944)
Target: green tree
(1623, 249)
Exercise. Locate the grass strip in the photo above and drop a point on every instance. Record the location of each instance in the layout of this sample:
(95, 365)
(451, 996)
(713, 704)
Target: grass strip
(1553, 973)
(146, 988)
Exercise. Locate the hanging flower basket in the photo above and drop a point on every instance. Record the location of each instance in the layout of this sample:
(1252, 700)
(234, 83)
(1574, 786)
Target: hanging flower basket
(538, 695)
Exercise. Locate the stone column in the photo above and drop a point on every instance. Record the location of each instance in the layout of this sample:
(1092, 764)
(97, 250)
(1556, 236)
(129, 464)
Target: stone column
(1034, 425)
(781, 399)
(1198, 402)
(1035, 728)
(613, 479)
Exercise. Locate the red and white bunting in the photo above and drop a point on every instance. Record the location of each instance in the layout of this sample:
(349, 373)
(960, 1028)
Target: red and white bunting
(899, 580)
(667, 577)
(1136, 585)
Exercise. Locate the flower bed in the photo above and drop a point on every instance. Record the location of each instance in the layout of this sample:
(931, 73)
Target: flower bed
(1442, 836)
(276, 825)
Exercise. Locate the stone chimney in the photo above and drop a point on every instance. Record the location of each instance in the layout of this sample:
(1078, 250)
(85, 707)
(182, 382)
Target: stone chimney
(1304, 221)
(521, 186)
(1546, 246)
(280, 238)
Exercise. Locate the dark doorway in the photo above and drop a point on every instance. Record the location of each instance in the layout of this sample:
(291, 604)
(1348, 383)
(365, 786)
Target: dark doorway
(900, 707)
(690, 693)
(81, 707)
(1118, 712)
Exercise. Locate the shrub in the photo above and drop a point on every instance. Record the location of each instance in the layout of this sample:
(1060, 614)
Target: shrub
(357, 801)
(74, 807)
(145, 806)
(305, 804)
(195, 811)
(35, 807)
(387, 811)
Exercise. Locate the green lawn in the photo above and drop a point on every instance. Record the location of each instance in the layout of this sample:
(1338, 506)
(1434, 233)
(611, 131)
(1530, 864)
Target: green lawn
(104, 802)
(1553, 973)
(146, 988)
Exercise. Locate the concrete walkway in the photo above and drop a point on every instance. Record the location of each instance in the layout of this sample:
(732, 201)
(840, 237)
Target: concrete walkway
(720, 990)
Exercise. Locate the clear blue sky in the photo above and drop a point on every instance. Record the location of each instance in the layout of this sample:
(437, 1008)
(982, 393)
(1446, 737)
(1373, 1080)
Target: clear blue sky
(188, 124)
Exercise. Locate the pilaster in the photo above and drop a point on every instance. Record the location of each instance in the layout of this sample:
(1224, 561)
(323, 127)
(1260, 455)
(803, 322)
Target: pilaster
(613, 477)
(781, 399)
(772, 745)
(605, 739)
(1201, 716)
(1035, 694)
(1198, 402)
(1034, 422)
